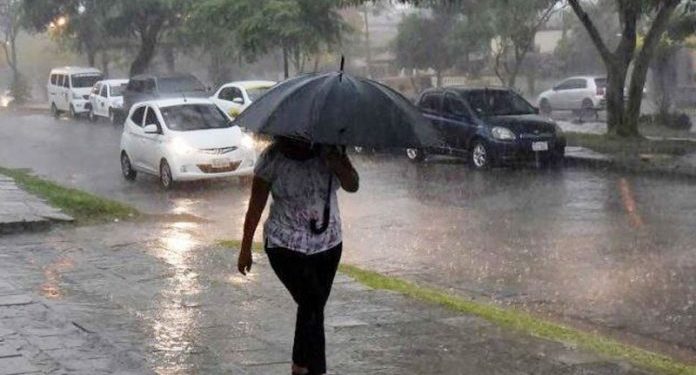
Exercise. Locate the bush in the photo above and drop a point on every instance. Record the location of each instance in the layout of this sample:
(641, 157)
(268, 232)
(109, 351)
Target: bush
(675, 121)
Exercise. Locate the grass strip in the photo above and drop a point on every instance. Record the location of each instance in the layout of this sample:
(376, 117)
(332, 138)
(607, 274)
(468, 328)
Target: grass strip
(629, 147)
(522, 321)
(510, 318)
(85, 208)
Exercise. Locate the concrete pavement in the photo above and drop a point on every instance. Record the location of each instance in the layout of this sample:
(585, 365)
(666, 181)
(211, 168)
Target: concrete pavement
(21, 211)
(142, 298)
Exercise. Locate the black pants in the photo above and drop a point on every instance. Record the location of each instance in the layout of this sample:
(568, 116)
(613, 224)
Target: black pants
(308, 278)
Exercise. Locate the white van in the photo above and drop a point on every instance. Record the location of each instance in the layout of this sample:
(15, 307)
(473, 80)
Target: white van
(69, 89)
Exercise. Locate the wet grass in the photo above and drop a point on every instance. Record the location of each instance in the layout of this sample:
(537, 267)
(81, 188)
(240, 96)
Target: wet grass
(522, 321)
(629, 147)
(85, 208)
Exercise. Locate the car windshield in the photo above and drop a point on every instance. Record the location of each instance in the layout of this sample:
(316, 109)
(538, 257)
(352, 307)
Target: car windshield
(256, 92)
(194, 117)
(117, 90)
(180, 84)
(498, 103)
(85, 80)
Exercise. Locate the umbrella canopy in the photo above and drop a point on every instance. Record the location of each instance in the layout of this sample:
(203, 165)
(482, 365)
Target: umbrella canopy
(339, 109)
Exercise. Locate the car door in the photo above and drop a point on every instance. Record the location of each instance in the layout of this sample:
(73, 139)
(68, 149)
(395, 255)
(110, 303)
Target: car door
(457, 124)
(558, 98)
(62, 92)
(134, 128)
(237, 101)
(152, 142)
(223, 99)
(431, 107)
(103, 101)
(52, 88)
(576, 93)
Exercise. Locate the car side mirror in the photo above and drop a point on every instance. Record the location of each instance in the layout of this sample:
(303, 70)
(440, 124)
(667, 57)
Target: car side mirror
(238, 100)
(151, 129)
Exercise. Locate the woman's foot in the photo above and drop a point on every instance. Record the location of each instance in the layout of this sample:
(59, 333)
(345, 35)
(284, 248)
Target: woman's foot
(299, 370)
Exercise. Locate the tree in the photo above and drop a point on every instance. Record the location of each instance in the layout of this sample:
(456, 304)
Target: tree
(423, 42)
(299, 28)
(680, 33)
(516, 24)
(148, 21)
(10, 22)
(622, 118)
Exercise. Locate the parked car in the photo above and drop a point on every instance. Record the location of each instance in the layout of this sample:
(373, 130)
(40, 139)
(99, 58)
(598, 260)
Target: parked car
(69, 88)
(490, 126)
(235, 97)
(183, 140)
(148, 86)
(106, 99)
(582, 95)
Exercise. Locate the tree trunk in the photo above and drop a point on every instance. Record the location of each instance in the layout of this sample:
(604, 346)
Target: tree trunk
(148, 45)
(91, 57)
(368, 52)
(169, 58)
(616, 79)
(105, 63)
(641, 64)
(286, 63)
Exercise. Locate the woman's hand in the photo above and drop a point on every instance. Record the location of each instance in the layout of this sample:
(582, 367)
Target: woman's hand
(244, 261)
(341, 166)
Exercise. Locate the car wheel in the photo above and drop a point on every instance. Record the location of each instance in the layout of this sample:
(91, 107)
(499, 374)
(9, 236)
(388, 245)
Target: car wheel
(587, 109)
(54, 110)
(479, 157)
(72, 112)
(415, 155)
(165, 178)
(92, 116)
(545, 107)
(126, 168)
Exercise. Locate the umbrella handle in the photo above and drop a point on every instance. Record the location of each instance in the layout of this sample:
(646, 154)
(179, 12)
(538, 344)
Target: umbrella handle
(313, 224)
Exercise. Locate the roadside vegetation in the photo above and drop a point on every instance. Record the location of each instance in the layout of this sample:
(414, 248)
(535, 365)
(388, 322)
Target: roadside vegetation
(85, 208)
(627, 148)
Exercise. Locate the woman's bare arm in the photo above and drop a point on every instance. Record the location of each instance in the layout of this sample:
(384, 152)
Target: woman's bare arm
(259, 196)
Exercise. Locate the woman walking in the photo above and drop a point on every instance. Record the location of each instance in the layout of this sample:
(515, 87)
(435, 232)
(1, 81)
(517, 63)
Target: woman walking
(302, 234)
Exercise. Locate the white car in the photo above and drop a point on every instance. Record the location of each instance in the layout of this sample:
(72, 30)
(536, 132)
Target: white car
(583, 95)
(234, 97)
(69, 88)
(183, 140)
(106, 99)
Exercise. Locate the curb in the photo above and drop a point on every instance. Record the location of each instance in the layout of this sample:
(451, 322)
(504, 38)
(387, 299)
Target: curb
(16, 227)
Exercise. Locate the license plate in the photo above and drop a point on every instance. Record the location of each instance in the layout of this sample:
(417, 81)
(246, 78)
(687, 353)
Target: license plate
(540, 146)
(220, 163)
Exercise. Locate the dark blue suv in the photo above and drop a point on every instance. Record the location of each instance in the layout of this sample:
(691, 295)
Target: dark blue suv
(489, 126)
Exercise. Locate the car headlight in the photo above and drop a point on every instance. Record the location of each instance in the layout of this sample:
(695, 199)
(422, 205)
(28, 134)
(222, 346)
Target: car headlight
(181, 147)
(247, 141)
(503, 134)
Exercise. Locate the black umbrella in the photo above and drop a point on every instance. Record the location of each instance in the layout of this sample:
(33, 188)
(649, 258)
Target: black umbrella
(339, 109)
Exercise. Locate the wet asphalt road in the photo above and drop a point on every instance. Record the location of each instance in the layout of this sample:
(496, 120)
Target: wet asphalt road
(595, 248)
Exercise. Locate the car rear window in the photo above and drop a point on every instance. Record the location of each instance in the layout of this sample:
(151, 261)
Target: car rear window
(85, 80)
(601, 82)
(194, 117)
(180, 84)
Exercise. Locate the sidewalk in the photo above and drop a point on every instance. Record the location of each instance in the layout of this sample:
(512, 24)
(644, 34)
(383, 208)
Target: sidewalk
(143, 298)
(20, 211)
